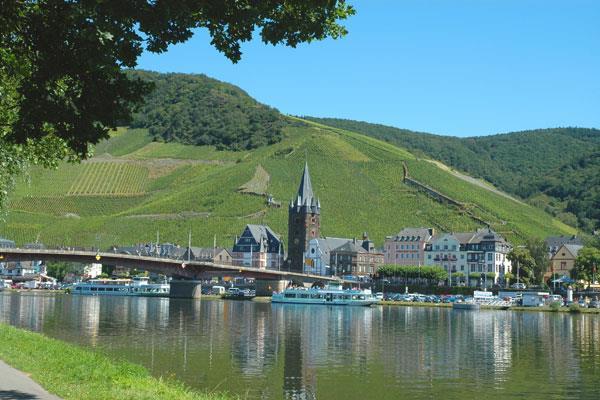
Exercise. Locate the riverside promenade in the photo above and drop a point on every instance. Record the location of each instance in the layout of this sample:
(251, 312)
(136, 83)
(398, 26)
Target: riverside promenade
(15, 384)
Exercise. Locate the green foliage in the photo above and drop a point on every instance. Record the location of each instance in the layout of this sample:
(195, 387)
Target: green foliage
(195, 109)
(523, 264)
(428, 273)
(556, 169)
(574, 308)
(539, 252)
(587, 264)
(58, 270)
(555, 306)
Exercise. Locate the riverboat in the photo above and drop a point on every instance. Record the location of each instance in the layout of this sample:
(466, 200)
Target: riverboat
(238, 294)
(332, 294)
(138, 286)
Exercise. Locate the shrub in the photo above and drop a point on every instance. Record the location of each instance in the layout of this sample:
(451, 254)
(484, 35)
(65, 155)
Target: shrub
(574, 308)
(555, 306)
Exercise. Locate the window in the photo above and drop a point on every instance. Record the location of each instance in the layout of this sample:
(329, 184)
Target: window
(490, 268)
(429, 256)
(462, 256)
(490, 256)
(563, 265)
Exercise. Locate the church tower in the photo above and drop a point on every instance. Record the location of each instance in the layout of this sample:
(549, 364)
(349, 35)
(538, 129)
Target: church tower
(303, 222)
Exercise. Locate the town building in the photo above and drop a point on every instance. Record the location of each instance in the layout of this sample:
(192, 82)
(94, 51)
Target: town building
(556, 242)
(487, 252)
(470, 253)
(80, 272)
(304, 223)
(259, 247)
(217, 255)
(563, 260)
(358, 258)
(449, 250)
(407, 247)
(22, 269)
(318, 256)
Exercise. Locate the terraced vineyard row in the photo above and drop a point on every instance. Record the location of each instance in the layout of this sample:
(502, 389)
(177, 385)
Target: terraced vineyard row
(110, 178)
(76, 206)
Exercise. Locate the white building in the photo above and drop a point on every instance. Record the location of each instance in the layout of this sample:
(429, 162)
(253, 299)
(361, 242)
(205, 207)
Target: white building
(470, 253)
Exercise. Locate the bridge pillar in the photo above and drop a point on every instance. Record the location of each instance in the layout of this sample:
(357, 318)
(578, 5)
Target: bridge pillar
(185, 289)
(267, 287)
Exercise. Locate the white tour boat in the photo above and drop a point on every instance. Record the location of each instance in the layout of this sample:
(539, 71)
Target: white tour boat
(138, 286)
(332, 294)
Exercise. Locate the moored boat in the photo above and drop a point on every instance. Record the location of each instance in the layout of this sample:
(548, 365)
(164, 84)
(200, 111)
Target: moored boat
(238, 294)
(332, 294)
(138, 286)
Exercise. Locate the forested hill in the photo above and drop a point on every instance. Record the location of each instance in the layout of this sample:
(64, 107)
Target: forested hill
(195, 109)
(557, 169)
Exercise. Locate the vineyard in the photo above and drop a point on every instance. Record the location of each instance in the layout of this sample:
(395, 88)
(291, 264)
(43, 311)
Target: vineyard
(125, 197)
(109, 178)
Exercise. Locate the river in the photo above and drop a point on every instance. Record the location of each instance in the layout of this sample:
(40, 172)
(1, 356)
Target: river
(279, 351)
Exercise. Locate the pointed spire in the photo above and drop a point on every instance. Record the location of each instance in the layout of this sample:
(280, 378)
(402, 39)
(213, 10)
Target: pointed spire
(305, 191)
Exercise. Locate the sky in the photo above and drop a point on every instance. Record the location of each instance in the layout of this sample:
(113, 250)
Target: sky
(450, 67)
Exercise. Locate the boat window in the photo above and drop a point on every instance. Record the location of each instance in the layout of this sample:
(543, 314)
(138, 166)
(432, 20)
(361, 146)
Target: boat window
(304, 296)
(77, 288)
(290, 295)
(314, 296)
(94, 289)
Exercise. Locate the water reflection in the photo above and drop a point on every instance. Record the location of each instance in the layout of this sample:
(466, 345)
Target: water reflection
(273, 351)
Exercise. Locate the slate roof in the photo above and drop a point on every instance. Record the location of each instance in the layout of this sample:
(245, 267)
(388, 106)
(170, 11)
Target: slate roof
(203, 253)
(306, 197)
(555, 242)
(351, 246)
(486, 235)
(261, 231)
(410, 233)
(573, 248)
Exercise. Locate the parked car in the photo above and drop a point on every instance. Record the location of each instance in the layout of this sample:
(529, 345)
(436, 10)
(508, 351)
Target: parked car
(518, 285)
(379, 295)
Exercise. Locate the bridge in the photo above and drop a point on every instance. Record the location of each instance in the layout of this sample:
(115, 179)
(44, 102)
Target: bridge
(186, 274)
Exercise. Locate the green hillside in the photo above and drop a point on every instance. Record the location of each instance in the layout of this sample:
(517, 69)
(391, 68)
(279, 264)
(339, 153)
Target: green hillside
(555, 169)
(135, 187)
(196, 109)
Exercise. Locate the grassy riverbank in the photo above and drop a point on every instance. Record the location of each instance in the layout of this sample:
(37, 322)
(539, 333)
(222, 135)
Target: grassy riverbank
(72, 372)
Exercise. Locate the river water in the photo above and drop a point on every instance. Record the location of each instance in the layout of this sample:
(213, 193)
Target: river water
(279, 351)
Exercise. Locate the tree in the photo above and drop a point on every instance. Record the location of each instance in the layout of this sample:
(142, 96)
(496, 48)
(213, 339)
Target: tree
(62, 79)
(507, 278)
(539, 252)
(586, 264)
(523, 264)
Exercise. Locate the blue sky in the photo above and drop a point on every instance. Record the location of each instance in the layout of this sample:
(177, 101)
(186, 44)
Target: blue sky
(456, 67)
